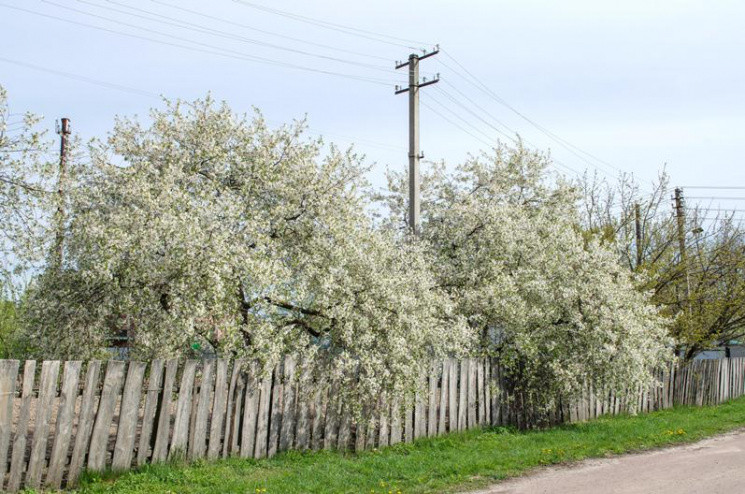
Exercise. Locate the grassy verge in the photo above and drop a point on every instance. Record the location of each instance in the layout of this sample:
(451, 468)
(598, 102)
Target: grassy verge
(446, 464)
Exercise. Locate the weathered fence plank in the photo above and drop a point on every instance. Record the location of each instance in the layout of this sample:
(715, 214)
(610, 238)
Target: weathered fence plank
(183, 411)
(409, 405)
(444, 386)
(235, 434)
(129, 413)
(319, 414)
(345, 428)
(420, 417)
(452, 395)
(163, 433)
(487, 391)
(198, 444)
(275, 420)
(332, 417)
(112, 386)
(250, 414)
(360, 436)
(230, 408)
(8, 377)
(385, 410)
(63, 429)
(304, 402)
(371, 431)
(395, 421)
(472, 393)
(286, 433)
(262, 421)
(151, 407)
(480, 392)
(85, 422)
(432, 402)
(47, 393)
(495, 398)
(463, 395)
(19, 441)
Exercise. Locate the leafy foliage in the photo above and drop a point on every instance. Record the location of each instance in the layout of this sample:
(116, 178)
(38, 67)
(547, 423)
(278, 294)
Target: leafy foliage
(703, 293)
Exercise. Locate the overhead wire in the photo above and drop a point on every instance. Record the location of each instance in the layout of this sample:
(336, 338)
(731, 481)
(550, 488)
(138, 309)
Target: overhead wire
(715, 198)
(270, 33)
(220, 52)
(109, 85)
(474, 81)
(353, 31)
(153, 17)
(132, 90)
(457, 125)
(463, 120)
(473, 113)
(720, 210)
(714, 187)
(511, 138)
(487, 143)
(477, 106)
(207, 45)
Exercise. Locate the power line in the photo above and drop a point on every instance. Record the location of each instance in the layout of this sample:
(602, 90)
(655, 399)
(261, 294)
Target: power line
(213, 32)
(513, 139)
(719, 218)
(88, 80)
(489, 144)
(717, 198)
(713, 187)
(353, 31)
(719, 210)
(354, 140)
(477, 106)
(433, 110)
(221, 53)
(489, 92)
(270, 33)
(476, 115)
(459, 117)
(128, 89)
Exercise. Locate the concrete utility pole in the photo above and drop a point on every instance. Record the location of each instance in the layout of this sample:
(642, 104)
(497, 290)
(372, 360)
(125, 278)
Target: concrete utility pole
(680, 216)
(414, 154)
(639, 234)
(64, 132)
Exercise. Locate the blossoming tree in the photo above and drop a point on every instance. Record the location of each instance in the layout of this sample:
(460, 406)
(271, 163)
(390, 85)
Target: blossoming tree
(555, 306)
(206, 228)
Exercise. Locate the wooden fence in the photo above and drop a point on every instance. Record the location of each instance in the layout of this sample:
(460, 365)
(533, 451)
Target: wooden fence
(65, 417)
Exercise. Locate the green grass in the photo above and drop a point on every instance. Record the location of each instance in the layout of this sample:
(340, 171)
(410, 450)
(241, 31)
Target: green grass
(446, 464)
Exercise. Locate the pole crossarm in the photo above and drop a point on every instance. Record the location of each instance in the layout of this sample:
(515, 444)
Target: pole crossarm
(400, 65)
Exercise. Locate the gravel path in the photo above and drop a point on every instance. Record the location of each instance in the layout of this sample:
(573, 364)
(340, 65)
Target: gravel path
(712, 466)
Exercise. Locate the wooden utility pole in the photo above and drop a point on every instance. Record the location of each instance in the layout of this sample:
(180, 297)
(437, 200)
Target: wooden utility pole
(64, 132)
(680, 216)
(414, 153)
(639, 234)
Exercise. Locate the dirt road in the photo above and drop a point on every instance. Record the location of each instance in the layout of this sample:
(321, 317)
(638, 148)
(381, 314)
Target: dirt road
(711, 466)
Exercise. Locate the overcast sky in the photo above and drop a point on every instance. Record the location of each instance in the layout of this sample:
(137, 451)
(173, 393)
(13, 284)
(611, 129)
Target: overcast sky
(636, 83)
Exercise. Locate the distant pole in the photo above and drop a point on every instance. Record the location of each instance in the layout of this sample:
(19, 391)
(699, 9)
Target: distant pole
(64, 132)
(414, 153)
(680, 216)
(639, 235)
